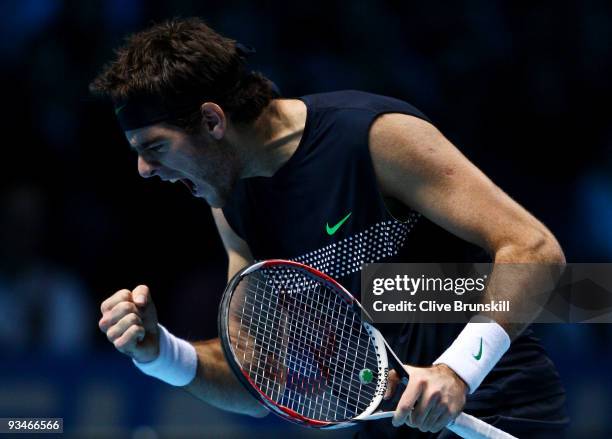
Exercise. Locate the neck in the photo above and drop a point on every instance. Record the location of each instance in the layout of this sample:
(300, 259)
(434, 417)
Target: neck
(272, 139)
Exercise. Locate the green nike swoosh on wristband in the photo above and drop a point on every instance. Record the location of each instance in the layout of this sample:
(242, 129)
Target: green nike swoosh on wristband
(479, 354)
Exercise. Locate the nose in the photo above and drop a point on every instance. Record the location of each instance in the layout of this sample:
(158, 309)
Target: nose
(145, 168)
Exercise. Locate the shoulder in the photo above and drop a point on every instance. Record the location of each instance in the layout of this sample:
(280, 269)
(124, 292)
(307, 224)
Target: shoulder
(361, 100)
(339, 98)
(404, 147)
(399, 132)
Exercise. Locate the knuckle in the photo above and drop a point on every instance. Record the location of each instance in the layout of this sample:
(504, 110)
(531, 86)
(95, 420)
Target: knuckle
(128, 306)
(122, 343)
(453, 412)
(124, 308)
(106, 304)
(404, 407)
(417, 419)
(112, 334)
(134, 319)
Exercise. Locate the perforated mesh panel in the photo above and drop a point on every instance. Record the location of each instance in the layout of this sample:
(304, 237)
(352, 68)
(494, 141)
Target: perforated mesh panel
(346, 256)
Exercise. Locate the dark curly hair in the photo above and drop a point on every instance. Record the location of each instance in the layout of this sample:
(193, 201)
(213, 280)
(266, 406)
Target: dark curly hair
(186, 57)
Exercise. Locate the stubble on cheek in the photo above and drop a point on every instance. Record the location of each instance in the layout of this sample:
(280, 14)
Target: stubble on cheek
(222, 173)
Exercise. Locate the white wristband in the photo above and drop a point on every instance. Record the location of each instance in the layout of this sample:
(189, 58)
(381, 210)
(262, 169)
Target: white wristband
(476, 351)
(176, 363)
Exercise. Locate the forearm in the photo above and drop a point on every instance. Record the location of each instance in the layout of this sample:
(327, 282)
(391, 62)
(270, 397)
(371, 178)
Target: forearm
(216, 384)
(524, 275)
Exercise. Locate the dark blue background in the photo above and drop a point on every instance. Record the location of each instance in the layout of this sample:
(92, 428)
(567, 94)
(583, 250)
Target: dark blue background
(522, 88)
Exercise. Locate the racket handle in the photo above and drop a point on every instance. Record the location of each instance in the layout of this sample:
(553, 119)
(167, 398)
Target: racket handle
(469, 427)
(464, 425)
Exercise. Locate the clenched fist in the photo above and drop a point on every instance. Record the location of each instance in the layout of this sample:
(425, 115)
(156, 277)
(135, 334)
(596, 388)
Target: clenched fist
(129, 320)
(434, 397)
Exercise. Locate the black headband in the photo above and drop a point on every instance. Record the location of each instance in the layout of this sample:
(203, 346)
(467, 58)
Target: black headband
(144, 109)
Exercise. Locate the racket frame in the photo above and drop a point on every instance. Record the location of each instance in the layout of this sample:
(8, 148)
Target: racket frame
(380, 345)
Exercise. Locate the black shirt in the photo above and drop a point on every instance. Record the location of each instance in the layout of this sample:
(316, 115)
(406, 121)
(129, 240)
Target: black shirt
(330, 178)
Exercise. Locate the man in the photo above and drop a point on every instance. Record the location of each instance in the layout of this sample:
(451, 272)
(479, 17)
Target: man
(332, 180)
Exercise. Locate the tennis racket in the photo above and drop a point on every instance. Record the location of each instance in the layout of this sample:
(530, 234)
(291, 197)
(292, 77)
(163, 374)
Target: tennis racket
(295, 339)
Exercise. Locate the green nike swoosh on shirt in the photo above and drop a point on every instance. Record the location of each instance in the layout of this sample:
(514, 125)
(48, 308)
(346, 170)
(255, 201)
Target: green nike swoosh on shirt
(479, 354)
(334, 229)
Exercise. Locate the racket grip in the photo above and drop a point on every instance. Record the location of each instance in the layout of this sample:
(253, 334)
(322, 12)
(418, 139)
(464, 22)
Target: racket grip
(469, 427)
(464, 425)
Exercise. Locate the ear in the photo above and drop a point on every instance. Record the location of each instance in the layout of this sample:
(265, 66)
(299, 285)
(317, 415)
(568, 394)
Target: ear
(214, 119)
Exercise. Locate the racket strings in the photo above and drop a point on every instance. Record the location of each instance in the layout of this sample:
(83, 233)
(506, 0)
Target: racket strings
(353, 351)
(310, 363)
(323, 356)
(345, 398)
(303, 345)
(316, 336)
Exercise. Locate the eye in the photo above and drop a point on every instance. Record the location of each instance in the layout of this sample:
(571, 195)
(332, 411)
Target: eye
(156, 148)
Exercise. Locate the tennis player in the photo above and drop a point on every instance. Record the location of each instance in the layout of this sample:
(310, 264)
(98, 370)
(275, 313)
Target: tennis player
(333, 180)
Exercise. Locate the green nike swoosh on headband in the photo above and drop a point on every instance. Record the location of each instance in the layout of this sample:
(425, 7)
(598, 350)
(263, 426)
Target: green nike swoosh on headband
(332, 230)
(479, 354)
(118, 109)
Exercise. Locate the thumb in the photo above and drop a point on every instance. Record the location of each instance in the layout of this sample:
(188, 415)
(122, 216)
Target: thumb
(143, 300)
(410, 369)
(140, 295)
(392, 381)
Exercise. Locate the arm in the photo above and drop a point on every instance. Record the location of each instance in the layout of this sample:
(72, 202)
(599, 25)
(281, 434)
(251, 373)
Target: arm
(416, 165)
(215, 383)
(129, 320)
(238, 252)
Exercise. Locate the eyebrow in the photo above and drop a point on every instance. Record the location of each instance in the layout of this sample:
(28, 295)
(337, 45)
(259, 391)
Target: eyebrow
(148, 143)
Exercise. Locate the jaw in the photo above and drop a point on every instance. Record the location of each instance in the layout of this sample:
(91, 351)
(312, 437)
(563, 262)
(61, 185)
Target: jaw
(216, 195)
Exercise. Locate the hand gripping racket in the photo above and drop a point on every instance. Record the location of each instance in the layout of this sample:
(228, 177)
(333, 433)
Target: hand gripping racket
(295, 339)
